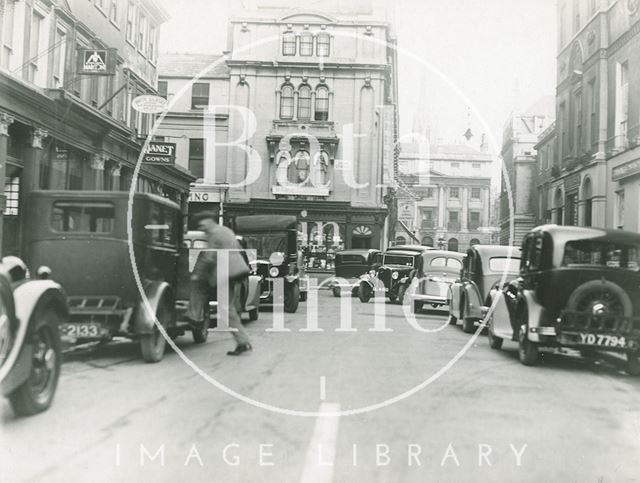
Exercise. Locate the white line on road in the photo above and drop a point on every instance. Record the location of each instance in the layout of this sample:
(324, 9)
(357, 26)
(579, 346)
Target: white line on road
(321, 454)
(323, 388)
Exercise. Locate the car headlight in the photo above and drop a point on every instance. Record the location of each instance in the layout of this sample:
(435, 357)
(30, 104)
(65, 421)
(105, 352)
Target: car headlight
(274, 271)
(395, 275)
(276, 258)
(372, 273)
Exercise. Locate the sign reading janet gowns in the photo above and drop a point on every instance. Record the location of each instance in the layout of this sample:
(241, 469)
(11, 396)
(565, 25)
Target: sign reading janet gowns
(160, 153)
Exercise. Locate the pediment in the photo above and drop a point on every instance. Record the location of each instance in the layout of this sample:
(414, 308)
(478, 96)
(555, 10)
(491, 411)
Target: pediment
(308, 17)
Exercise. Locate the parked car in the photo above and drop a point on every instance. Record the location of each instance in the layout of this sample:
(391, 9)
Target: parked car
(579, 288)
(483, 267)
(398, 268)
(83, 237)
(438, 270)
(30, 349)
(350, 265)
(275, 241)
(194, 241)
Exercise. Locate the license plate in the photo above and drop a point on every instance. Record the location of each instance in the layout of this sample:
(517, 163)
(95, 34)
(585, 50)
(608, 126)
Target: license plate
(82, 330)
(601, 340)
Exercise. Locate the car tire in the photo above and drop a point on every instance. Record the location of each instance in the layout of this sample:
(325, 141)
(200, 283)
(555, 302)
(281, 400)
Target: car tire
(632, 367)
(527, 351)
(393, 298)
(27, 400)
(253, 315)
(291, 298)
(336, 291)
(468, 325)
(494, 341)
(201, 334)
(417, 307)
(154, 344)
(303, 296)
(365, 292)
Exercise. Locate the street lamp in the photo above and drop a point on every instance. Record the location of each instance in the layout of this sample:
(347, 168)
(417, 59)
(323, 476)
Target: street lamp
(441, 242)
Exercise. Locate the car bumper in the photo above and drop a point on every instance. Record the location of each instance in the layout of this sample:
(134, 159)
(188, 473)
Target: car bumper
(601, 341)
(430, 299)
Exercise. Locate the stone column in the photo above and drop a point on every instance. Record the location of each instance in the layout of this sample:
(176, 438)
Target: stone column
(33, 160)
(97, 165)
(276, 115)
(5, 121)
(115, 173)
(295, 105)
(441, 207)
(464, 199)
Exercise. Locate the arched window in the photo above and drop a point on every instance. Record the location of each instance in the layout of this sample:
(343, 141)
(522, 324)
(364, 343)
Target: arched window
(323, 45)
(299, 168)
(400, 240)
(452, 245)
(286, 102)
(427, 241)
(306, 44)
(322, 104)
(474, 241)
(304, 103)
(587, 194)
(288, 43)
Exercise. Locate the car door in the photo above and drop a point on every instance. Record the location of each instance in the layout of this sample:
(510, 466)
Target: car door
(456, 289)
(501, 317)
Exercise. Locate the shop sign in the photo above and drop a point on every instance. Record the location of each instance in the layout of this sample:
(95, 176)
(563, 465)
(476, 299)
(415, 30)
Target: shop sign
(405, 213)
(97, 61)
(149, 104)
(160, 153)
(626, 169)
(204, 196)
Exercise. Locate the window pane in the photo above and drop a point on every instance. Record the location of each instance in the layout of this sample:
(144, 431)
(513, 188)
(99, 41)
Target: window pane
(199, 95)
(322, 45)
(289, 44)
(286, 103)
(304, 103)
(322, 104)
(306, 44)
(196, 157)
(83, 217)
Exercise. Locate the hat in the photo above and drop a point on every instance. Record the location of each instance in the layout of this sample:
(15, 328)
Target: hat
(203, 215)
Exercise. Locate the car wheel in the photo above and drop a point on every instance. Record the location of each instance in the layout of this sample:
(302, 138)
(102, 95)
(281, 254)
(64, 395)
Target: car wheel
(393, 298)
(336, 291)
(365, 292)
(527, 351)
(291, 298)
(468, 325)
(303, 296)
(36, 393)
(417, 307)
(253, 315)
(633, 364)
(494, 342)
(153, 345)
(201, 334)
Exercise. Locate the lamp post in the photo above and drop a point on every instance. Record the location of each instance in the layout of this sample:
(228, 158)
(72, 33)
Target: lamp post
(441, 242)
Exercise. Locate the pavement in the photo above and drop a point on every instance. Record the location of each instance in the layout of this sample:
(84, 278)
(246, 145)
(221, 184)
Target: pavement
(339, 404)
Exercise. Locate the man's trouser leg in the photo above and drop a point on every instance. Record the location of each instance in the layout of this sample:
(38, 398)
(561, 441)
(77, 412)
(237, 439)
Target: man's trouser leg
(234, 311)
(197, 298)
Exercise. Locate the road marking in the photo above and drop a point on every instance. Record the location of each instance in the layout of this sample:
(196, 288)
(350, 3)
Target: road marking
(323, 388)
(321, 454)
(156, 227)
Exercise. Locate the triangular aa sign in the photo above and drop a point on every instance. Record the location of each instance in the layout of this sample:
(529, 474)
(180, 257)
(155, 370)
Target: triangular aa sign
(94, 61)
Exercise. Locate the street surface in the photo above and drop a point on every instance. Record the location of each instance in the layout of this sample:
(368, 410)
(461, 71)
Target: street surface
(487, 418)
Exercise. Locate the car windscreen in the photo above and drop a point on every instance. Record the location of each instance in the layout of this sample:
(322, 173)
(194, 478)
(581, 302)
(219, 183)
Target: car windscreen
(350, 259)
(264, 245)
(83, 217)
(597, 253)
(446, 262)
(406, 261)
(504, 264)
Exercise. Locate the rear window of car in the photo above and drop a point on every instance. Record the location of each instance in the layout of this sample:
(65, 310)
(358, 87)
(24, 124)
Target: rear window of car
(602, 254)
(350, 259)
(83, 217)
(504, 264)
(446, 262)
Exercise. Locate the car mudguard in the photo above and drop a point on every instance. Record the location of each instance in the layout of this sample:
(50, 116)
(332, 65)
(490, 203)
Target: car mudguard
(536, 314)
(29, 297)
(253, 293)
(454, 299)
(145, 317)
(472, 302)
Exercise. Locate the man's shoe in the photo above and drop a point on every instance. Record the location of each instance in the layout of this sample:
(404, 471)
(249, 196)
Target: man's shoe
(240, 349)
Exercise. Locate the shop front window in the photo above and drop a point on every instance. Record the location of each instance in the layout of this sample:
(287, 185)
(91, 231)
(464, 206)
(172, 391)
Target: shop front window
(319, 242)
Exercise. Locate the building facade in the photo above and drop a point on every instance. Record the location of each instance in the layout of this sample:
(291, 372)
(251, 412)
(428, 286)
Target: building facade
(310, 127)
(444, 197)
(518, 188)
(595, 178)
(69, 72)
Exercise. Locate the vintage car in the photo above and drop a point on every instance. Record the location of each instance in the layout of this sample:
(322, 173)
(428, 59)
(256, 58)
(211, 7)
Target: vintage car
(350, 265)
(578, 288)
(194, 241)
(30, 349)
(483, 267)
(431, 287)
(399, 266)
(274, 238)
(83, 237)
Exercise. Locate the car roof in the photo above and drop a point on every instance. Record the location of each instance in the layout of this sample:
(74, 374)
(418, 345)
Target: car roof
(264, 223)
(497, 250)
(355, 251)
(443, 253)
(562, 234)
(411, 253)
(415, 248)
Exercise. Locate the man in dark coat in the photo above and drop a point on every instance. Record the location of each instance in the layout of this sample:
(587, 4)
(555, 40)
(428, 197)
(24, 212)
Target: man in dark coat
(210, 270)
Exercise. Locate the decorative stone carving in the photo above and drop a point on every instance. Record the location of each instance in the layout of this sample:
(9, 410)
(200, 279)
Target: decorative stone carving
(287, 77)
(591, 37)
(37, 137)
(97, 161)
(243, 79)
(368, 30)
(367, 80)
(245, 27)
(5, 121)
(116, 171)
(633, 6)
(323, 79)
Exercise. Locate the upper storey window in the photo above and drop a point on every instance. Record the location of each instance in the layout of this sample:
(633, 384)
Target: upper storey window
(323, 45)
(286, 102)
(304, 103)
(288, 43)
(306, 44)
(322, 104)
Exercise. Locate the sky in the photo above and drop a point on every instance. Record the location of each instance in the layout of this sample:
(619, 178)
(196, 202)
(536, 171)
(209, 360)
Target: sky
(500, 54)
